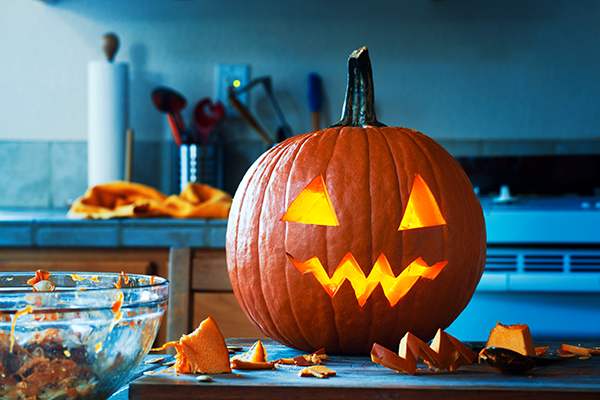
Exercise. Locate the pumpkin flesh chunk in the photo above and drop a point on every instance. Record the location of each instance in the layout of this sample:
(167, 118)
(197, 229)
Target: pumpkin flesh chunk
(393, 287)
(203, 351)
(513, 337)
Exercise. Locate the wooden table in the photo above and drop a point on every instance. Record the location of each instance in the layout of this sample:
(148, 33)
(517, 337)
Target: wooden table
(359, 378)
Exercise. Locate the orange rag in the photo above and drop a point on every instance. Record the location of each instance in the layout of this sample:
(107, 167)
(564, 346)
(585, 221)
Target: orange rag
(127, 199)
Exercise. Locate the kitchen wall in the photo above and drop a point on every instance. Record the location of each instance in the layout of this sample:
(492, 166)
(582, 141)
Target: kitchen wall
(479, 76)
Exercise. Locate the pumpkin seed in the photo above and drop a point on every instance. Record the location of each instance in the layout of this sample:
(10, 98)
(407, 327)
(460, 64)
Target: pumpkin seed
(204, 378)
(154, 360)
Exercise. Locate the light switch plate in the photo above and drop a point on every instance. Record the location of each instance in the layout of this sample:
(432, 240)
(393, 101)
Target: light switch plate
(227, 75)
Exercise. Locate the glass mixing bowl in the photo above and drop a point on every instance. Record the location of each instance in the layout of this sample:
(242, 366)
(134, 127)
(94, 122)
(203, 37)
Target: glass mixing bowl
(81, 341)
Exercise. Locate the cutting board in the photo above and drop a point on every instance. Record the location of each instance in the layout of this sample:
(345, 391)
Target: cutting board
(359, 378)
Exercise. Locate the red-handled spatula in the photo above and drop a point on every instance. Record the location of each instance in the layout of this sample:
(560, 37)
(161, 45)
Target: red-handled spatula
(207, 116)
(170, 102)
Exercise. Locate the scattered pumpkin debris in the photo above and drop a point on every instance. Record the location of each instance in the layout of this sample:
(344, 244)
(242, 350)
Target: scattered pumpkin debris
(256, 353)
(542, 351)
(305, 360)
(317, 371)
(201, 352)
(251, 365)
(154, 360)
(513, 337)
(567, 349)
(446, 352)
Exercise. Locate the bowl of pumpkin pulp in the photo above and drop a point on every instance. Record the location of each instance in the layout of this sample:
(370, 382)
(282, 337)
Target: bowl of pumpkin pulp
(67, 335)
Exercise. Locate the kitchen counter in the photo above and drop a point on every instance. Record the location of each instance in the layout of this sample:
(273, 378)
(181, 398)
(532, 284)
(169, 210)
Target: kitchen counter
(52, 228)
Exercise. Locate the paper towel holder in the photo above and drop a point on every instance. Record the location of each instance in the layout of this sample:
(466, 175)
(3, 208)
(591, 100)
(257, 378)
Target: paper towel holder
(110, 45)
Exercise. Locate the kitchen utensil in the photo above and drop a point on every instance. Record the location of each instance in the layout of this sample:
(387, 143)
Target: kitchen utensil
(510, 362)
(207, 115)
(315, 100)
(110, 45)
(128, 155)
(82, 340)
(284, 131)
(170, 102)
(249, 118)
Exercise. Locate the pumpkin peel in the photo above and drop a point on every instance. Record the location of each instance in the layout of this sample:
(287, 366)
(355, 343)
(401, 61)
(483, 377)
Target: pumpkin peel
(201, 352)
(578, 350)
(257, 353)
(318, 371)
(251, 365)
(445, 353)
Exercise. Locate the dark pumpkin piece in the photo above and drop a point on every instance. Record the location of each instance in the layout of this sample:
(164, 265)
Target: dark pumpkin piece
(398, 243)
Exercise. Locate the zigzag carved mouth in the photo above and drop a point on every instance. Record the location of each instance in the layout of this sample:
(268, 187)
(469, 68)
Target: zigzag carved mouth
(393, 287)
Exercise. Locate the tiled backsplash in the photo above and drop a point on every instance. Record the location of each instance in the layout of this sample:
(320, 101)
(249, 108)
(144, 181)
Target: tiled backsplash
(52, 174)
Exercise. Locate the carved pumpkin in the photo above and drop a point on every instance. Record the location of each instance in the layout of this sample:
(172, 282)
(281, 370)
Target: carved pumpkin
(355, 234)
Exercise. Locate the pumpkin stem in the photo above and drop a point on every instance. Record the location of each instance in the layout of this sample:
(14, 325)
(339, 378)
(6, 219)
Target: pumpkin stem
(359, 104)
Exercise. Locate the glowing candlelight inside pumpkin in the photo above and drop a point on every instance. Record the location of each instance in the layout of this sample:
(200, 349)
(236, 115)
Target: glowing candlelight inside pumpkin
(393, 287)
(312, 206)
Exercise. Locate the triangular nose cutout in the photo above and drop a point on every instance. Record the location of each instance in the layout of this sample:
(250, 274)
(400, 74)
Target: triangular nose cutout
(422, 209)
(312, 206)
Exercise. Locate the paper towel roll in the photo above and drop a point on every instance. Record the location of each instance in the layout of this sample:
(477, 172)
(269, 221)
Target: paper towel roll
(107, 121)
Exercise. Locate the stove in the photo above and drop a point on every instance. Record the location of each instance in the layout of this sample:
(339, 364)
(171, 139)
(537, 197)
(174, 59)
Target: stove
(543, 257)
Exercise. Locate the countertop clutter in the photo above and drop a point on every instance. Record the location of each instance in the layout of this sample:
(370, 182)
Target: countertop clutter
(357, 377)
(52, 228)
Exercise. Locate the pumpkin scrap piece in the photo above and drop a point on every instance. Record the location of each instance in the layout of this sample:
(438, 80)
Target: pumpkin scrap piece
(411, 348)
(301, 361)
(451, 353)
(285, 361)
(513, 337)
(257, 353)
(201, 352)
(577, 350)
(250, 365)
(541, 351)
(446, 352)
(318, 371)
(306, 360)
(40, 282)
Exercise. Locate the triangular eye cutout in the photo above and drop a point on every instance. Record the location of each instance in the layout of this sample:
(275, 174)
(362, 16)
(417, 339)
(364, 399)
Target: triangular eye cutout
(422, 209)
(312, 206)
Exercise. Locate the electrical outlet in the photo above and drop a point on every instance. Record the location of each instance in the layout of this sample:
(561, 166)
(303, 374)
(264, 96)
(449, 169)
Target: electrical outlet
(227, 75)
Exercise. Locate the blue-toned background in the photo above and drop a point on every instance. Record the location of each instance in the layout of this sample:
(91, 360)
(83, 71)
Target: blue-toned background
(480, 76)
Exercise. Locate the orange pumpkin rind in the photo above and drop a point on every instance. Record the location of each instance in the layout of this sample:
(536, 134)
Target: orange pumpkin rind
(565, 349)
(256, 353)
(445, 353)
(317, 371)
(251, 365)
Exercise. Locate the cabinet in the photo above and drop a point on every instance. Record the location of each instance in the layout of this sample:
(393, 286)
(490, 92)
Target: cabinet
(201, 288)
(199, 282)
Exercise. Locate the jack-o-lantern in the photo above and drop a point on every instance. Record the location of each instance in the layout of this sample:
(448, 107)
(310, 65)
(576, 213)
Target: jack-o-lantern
(355, 234)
